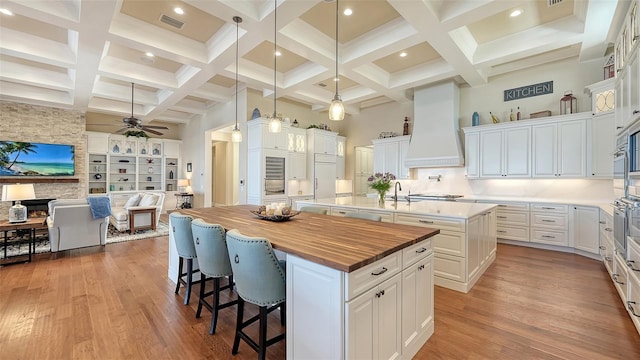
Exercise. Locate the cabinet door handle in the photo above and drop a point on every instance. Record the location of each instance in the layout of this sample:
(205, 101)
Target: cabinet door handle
(421, 267)
(342, 212)
(615, 279)
(636, 112)
(426, 221)
(548, 208)
(608, 229)
(630, 265)
(602, 222)
(604, 248)
(384, 270)
(548, 237)
(421, 250)
(501, 231)
(549, 221)
(607, 258)
(630, 307)
(501, 217)
(501, 205)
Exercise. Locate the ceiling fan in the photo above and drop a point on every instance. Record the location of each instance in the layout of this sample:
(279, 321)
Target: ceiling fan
(133, 123)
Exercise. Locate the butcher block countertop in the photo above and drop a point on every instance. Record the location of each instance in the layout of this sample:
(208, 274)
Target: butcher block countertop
(344, 244)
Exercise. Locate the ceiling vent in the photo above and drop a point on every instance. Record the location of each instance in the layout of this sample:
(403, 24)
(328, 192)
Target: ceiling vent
(322, 84)
(551, 3)
(179, 24)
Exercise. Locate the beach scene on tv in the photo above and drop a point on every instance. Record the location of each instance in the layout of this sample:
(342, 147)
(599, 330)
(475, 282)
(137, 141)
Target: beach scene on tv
(36, 159)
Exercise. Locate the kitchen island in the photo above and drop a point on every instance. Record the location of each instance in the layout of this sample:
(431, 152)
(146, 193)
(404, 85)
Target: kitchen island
(355, 288)
(465, 246)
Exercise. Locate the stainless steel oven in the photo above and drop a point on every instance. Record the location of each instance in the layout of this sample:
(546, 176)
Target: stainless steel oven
(620, 226)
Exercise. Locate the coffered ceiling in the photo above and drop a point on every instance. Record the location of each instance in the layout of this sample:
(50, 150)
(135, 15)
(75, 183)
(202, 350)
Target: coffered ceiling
(83, 54)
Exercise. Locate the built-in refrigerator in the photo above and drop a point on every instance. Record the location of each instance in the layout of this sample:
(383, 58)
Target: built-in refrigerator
(324, 176)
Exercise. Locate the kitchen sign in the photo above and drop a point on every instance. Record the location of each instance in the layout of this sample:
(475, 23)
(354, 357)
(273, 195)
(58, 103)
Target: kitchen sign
(528, 91)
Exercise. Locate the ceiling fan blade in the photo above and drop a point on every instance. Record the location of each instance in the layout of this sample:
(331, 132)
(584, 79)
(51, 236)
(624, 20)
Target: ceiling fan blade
(103, 124)
(121, 130)
(152, 131)
(154, 127)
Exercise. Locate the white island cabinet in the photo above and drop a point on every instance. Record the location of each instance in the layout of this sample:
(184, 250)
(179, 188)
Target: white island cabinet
(465, 246)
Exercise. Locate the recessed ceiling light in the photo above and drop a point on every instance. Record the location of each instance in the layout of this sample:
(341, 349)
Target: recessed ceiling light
(149, 54)
(336, 79)
(516, 12)
(278, 53)
(6, 12)
(348, 11)
(178, 10)
(403, 54)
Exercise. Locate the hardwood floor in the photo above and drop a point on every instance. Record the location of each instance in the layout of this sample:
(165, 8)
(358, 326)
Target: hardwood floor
(116, 302)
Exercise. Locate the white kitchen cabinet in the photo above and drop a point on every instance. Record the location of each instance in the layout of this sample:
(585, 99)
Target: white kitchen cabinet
(373, 322)
(606, 240)
(297, 140)
(261, 138)
(97, 143)
(321, 141)
(472, 155)
(620, 277)
(585, 228)
(633, 78)
(341, 143)
(559, 149)
(417, 305)
(340, 157)
(505, 153)
(602, 145)
(364, 169)
(550, 224)
(389, 156)
(297, 166)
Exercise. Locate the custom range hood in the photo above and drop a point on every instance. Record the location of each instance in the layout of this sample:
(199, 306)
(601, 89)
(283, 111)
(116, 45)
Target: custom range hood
(435, 141)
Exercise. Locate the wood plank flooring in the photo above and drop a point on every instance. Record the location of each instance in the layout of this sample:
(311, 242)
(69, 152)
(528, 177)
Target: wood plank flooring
(116, 302)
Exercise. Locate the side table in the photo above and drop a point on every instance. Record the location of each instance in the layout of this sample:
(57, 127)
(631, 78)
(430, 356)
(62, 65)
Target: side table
(184, 201)
(132, 216)
(32, 225)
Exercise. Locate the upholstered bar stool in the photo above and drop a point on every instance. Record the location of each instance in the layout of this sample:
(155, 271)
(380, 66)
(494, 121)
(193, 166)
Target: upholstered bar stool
(260, 280)
(213, 258)
(314, 209)
(181, 228)
(366, 216)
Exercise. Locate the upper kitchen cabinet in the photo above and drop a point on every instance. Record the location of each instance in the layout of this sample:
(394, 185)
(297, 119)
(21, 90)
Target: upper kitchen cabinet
(340, 158)
(261, 138)
(297, 140)
(472, 154)
(628, 69)
(322, 141)
(389, 155)
(97, 143)
(559, 149)
(505, 153)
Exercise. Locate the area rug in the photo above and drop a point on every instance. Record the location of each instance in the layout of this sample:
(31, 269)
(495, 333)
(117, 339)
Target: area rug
(113, 236)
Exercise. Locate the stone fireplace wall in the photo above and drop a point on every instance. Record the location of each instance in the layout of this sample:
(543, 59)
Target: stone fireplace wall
(32, 123)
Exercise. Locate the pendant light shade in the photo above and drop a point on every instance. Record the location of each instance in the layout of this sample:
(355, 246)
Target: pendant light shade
(275, 126)
(236, 135)
(336, 110)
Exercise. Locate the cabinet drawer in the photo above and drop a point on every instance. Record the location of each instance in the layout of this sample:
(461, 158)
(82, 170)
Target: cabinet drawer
(513, 233)
(633, 264)
(512, 218)
(606, 251)
(633, 302)
(449, 267)
(449, 242)
(385, 215)
(510, 206)
(619, 277)
(430, 221)
(547, 208)
(416, 252)
(340, 211)
(363, 279)
(549, 237)
(553, 221)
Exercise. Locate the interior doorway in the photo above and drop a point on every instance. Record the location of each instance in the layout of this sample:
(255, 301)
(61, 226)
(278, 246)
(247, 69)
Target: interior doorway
(222, 171)
(363, 169)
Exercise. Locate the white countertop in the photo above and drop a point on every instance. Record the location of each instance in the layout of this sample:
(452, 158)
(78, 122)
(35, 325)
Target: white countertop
(450, 209)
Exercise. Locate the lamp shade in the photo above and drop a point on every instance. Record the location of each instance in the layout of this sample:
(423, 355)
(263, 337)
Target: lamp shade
(15, 192)
(183, 182)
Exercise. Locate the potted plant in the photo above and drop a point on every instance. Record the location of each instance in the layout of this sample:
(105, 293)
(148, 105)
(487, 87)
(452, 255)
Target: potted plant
(136, 133)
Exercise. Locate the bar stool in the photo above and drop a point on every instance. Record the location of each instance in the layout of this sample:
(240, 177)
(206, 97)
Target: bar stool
(181, 228)
(213, 258)
(314, 209)
(366, 216)
(260, 280)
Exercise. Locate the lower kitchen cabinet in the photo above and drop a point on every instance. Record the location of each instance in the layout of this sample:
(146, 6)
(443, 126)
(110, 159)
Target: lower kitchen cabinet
(417, 306)
(585, 228)
(619, 277)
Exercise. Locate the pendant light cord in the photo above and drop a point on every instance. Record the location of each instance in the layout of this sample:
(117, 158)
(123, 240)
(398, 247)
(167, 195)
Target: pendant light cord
(275, 49)
(336, 80)
(131, 100)
(238, 20)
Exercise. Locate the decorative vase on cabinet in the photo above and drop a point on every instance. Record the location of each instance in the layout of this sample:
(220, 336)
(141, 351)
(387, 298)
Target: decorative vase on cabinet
(475, 119)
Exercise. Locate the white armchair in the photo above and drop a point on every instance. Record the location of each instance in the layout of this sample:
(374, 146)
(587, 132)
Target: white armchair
(71, 225)
(121, 203)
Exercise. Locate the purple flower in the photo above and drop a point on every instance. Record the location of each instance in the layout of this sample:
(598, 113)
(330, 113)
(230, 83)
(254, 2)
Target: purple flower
(370, 178)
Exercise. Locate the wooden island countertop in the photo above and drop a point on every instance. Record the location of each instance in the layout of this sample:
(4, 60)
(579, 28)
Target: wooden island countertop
(344, 244)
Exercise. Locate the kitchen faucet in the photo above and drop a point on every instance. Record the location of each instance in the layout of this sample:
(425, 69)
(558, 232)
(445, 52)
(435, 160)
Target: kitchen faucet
(395, 196)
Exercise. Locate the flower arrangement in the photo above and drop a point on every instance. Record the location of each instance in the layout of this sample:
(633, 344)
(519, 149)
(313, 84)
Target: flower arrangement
(381, 183)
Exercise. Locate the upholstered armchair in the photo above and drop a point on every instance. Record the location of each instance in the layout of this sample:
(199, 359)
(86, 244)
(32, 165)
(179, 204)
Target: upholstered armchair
(122, 203)
(71, 225)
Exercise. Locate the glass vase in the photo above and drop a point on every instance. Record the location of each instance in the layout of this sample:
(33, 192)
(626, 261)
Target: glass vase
(381, 196)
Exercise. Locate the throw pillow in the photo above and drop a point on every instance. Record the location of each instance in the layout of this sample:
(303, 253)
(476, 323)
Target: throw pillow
(148, 200)
(133, 201)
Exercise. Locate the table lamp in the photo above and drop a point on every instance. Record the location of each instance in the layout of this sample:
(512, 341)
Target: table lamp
(18, 192)
(182, 185)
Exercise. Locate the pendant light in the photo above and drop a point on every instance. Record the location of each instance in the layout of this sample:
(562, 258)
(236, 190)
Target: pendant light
(336, 110)
(275, 126)
(236, 135)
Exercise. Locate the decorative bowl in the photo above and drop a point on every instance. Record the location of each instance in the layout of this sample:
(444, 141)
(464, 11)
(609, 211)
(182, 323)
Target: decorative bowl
(276, 218)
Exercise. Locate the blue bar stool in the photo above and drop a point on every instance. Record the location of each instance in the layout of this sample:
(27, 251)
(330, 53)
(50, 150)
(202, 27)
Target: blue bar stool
(366, 216)
(314, 209)
(260, 280)
(181, 228)
(213, 258)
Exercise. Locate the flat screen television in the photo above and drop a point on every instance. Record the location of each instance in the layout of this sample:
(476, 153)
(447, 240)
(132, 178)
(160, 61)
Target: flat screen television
(19, 158)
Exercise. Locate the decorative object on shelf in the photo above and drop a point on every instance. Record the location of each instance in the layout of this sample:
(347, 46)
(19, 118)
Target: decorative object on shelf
(149, 178)
(381, 183)
(171, 164)
(169, 187)
(122, 171)
(405, 127)
(275, 125)
(136, 133)
(236, 135)
(112, 188)
(336, 109)
(156, 151)
(143, 151)
(149, 188)
(17, 193)
(475, 119)
(610, 67)
(149, 161)
(97, 176)
(276, 218)
(539, 114)
(518, 114)
(295, 123)
(123, 161)
(189, 168)
(97, 161)
(494, 118)
(150, 170)
(129, 151)
(116, 149)
(512, 115)
(568, 103)
(171, 174)
(256, 114)
(387, 134)
(528, 91)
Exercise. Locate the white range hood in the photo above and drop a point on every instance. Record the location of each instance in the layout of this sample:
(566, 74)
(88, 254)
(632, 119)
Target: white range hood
(435, 141)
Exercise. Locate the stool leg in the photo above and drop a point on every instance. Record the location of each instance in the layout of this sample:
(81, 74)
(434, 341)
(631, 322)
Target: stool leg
(230, 283)
(262, 345)
(216, 304)
(283, 314)
(187, 295)
(240, 313)
(180, 261)
(201, 297)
